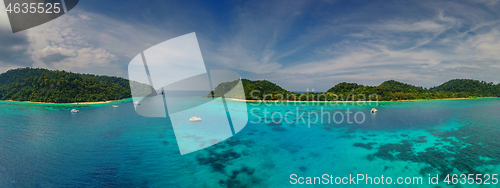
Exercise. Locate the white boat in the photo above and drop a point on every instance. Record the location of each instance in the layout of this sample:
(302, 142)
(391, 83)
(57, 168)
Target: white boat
(137, 103)
(74, 110)
(195, 118)
(373, 110)
(114, 105)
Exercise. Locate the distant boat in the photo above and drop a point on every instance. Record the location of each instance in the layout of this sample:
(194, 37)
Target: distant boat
(137, 103)
(114, 105)
(74, 110)
(195, 118)
(373, 110)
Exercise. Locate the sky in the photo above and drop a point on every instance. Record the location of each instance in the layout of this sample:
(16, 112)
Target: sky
(300, 45)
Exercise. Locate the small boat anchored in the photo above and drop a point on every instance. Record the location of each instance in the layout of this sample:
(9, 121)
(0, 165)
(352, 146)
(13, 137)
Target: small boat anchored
(195, 118)
(114, 105)
(74, 110)
(373, 110)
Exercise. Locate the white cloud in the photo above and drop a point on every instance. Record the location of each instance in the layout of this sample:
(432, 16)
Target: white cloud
(488, 2)
(373, 61)
(250, 46)
(377, 47)
(50, 50)
(6, 67)
(425, 26)
(90, 43)
(484, 46)
(56, 45)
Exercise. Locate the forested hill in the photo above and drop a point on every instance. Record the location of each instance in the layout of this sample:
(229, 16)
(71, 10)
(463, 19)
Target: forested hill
(262, 86)
(393, 90)
(469, 87)
(390, 90)
(42, 85)
(395, 86)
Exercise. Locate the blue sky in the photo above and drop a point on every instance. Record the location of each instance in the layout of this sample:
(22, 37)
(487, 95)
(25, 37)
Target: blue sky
(297, 44)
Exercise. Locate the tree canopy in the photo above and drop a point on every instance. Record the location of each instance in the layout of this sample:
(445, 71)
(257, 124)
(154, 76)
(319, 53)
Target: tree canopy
(390, 90)
(261, 86)
(42, 85)
(469, 87)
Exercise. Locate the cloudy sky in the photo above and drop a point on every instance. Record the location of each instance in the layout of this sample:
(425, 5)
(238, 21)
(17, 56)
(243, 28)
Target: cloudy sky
(297, 44)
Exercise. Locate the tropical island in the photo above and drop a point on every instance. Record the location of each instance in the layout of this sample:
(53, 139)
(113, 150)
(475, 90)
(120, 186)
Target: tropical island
(42, 85)
(390, 90)
(48, 86)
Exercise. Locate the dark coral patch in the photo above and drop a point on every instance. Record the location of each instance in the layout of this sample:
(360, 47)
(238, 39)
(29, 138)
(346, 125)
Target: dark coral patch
(279, 129)
(273, 123)
(367, 146)
(303, 169)
(469, 146)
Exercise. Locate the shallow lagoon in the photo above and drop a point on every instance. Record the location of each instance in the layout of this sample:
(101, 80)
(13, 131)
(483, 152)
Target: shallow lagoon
(47, 146)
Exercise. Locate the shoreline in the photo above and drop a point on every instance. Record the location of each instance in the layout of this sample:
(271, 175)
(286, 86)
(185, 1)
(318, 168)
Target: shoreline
(74, 103)
(341, 101)
(245, 100)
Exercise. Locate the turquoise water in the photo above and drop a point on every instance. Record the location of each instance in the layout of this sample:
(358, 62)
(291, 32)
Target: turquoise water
(47, 146)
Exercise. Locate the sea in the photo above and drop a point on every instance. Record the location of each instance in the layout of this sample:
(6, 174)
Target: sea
(283, 144)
